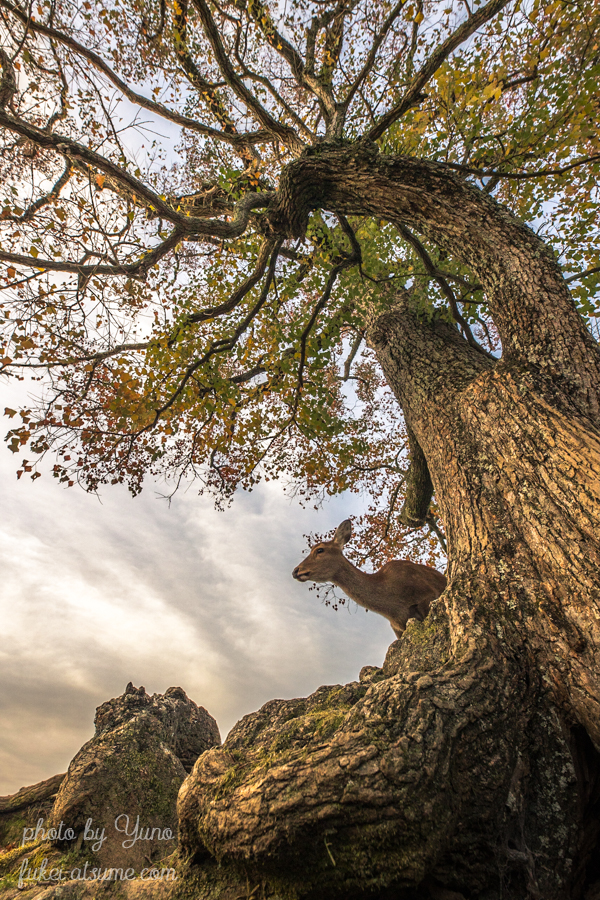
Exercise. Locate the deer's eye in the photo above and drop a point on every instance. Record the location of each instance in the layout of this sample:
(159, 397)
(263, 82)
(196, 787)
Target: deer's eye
(320, 550)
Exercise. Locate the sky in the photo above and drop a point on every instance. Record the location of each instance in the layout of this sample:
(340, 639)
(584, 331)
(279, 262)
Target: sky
(97, 593)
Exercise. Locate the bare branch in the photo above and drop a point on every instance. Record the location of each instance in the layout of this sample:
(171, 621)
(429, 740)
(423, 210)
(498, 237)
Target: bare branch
(304, 75)
(8, 82)
(370, 60)
(188, 225)
(222, 345)
(85, 357)
(446, 289)
(262, 79)
(236, 298)
(52, 194)
(540, 173)
(205, 89)
(283, 133)
(232, 138)
(582, 274)
(133, 270)
(353, 351)
(414, 94)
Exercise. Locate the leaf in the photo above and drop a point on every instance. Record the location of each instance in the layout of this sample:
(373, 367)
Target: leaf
(100, 179)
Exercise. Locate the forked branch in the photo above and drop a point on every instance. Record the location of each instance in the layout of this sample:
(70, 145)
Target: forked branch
(414, 94)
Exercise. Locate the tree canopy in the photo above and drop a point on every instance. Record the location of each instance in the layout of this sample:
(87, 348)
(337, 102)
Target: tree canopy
(177, 324)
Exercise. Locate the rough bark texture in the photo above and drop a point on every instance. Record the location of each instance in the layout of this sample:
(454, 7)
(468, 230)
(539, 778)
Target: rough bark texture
(419, 488)
(473, 763)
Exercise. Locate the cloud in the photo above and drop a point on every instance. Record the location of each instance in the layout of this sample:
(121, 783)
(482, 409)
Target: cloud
(94, 595)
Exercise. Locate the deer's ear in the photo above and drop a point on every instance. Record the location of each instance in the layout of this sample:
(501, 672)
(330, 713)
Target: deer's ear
(343, 533)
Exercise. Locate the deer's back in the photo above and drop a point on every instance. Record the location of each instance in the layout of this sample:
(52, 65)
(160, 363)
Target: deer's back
(411, 583)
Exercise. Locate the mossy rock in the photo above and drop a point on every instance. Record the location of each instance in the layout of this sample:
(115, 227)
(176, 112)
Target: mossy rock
(119, 796)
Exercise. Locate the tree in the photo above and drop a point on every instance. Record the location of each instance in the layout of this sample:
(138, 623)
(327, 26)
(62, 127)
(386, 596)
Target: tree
(419, 177)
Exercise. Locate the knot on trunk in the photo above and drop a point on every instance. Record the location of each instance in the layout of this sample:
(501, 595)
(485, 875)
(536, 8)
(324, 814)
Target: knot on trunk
(311, 182)
(419, 488)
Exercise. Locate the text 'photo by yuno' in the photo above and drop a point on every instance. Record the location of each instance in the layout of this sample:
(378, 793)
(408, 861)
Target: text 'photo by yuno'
(350, 247)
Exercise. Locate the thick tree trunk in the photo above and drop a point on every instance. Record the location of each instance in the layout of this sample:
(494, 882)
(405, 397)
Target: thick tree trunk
(513, 448)
(518, 483)
(473, 761)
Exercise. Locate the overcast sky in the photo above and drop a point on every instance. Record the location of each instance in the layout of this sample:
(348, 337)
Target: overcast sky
(96, 594)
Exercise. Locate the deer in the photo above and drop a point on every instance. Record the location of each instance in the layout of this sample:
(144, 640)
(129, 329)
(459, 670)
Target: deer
(399, 591)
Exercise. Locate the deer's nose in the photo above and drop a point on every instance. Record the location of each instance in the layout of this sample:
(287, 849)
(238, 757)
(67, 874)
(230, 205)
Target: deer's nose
(295, 572)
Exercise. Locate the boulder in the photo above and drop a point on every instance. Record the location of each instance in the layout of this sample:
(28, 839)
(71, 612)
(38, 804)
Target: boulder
(118, 799)
(21, 812)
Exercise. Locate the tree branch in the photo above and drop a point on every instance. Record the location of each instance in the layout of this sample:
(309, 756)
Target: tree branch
(583, 274)
(133, 270)
(188, 225)
(236, 298)
(52, 194)
(370, 60)
(205, 89)
(419, 489)
(414, 95)
(446, 289)
(303, 75)
(283, 133)
(540, 173)
(234, 139)
(221, 346)
(353, 351)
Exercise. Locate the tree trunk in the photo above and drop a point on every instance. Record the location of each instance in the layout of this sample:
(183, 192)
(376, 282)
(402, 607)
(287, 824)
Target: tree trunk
(473, 762)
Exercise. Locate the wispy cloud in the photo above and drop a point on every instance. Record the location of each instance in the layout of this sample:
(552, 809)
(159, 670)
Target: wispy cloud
(94, 595)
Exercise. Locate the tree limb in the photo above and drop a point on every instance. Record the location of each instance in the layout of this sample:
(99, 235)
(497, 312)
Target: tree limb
(414, 94)
(233, 138)
(133, 270)
(283, 133)
(236, 298)
(370, 60)
(188, 225)
(419, 489)
(540, 173)
(446, 289)
(52, 194)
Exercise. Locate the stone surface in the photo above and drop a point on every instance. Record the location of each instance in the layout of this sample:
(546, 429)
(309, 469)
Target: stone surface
(121, 787)
(24, 809)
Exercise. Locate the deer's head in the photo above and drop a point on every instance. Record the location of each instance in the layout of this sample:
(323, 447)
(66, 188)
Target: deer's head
(324, 559)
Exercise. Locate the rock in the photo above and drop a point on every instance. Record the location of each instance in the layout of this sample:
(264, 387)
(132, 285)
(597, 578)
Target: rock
(121, 787)
(24, 809)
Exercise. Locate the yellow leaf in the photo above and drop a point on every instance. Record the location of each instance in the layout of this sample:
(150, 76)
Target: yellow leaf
(100, 179)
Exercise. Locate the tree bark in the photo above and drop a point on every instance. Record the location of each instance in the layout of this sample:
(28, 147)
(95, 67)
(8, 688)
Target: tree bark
(475, 759)
(418, 487)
